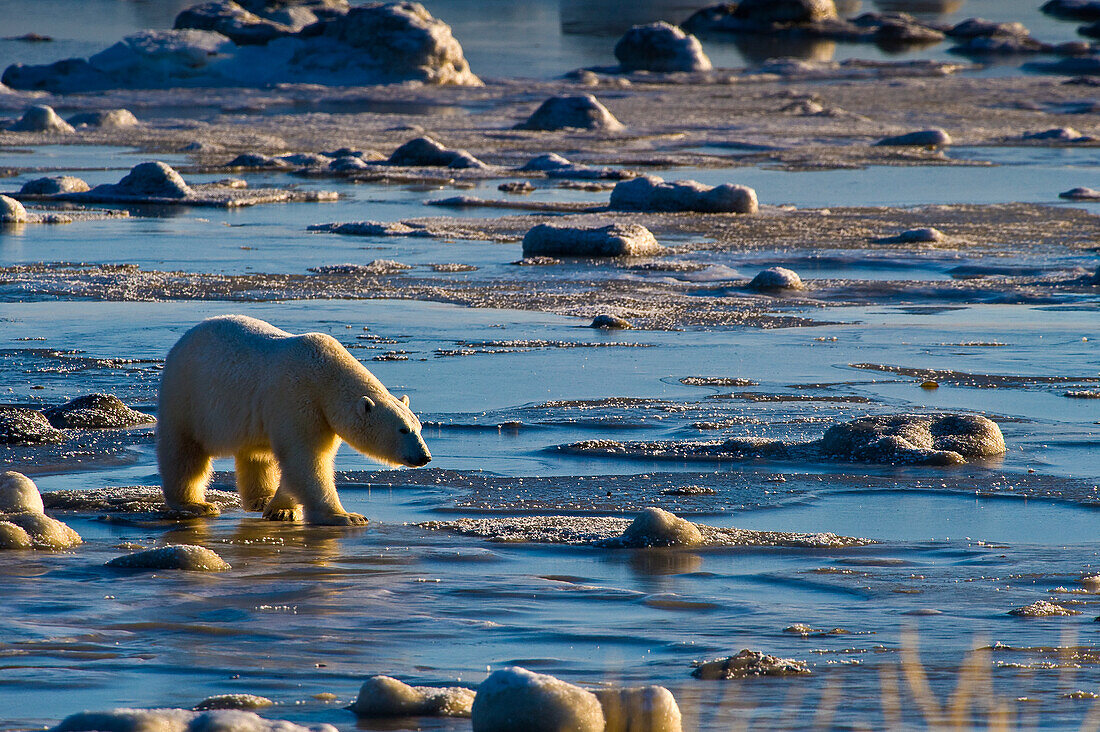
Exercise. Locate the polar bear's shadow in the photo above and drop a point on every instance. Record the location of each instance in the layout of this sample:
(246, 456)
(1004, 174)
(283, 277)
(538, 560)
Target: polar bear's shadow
(266, 541)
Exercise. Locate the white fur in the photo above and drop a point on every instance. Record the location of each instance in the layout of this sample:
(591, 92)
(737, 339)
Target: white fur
(280, 405)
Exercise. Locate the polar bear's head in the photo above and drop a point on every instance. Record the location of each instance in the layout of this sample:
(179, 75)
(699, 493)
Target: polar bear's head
(384, 428)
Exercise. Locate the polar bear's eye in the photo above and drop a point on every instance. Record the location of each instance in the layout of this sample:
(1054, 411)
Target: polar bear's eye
(404, 430)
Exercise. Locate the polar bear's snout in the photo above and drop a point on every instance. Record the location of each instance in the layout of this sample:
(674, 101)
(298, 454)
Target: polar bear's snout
(419, 456)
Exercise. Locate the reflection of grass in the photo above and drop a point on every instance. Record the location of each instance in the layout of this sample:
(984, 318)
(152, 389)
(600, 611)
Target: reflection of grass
(907, 700)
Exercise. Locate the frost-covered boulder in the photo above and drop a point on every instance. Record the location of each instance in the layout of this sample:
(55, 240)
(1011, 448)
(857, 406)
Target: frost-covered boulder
(41, 118)
(583, 112)
(934, 137)
(639, 709)
(785, 11)
(1088, 10)
(233, 701)
(650, 193)
(108, 119)
(749, 663)
(660, 47)
(950, 439)
(657, 527)
(255, 160)
(1080, 194)
(383, 696)
(95, 411)
(12, 211)
(175, 556)
(153, 179)
(179, 720)
(776, 278)
(52, 185)
(922, 235)
(514, 699)
(424, 151)
(233, 21)
(19, 494)
(162, 58)
(610, 322)
(401, 40)
(22, 426)
(547, 161)
(1043, 609)
(615, 240)
(1058, 134)
(982, 28)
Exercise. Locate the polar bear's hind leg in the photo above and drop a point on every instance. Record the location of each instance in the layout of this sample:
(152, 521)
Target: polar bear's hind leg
(184, 473)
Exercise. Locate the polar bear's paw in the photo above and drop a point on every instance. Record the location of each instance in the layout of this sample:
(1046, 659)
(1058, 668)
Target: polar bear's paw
(283, 514)
(256, 504)
(193, 510)
(340, 519)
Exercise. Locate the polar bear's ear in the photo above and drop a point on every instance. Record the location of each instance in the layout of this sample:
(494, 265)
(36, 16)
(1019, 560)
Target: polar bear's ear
(405, 399)
(365, 405)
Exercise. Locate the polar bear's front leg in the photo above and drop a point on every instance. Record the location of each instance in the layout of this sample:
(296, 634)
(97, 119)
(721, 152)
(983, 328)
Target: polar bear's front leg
(307, 475)
(184, 473)
(283, 507)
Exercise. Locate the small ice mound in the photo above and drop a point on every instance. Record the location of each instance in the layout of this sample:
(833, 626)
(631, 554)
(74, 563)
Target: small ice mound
(179, 720)
(44, 532)
(234, 22)
(1058, 134)
(547, 161)
(54, 184)
(660, 47)
(1080, 194)
(514, 699)
(1083, 393)
(786, 11)
(233, 701)
(924, 235)
(934, 137)
(383, 696)
(174, 556)
(106, 119)
(982, 28)
(653, 194)
(516, 187)
(14, 537)
(154, 179)
(777, 278)
(424, 151)
(610, 322)
(582, 112)
(12, 211)
(1072, 9)
(375, 267)
(41, 118)
(657, 527)
(21, 426)
(256, 160)
(1042, 609)
(615, 240)
(19, 494)
(919, 439)
(96, 411)
(639, 708)
(748, 663)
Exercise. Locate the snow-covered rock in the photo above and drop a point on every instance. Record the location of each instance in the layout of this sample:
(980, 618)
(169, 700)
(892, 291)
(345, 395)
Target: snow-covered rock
(950, 439)
(41, 118)
(52, 185)
(657, 527)
(424, 151)
(660, 47)
(110, 119)
(12, 211)
(514, 699)
(615, 240)
(22, 426)
(650, 193)
(934, 137)
(639, 709)
(95, 411)
(583, 112)
(175, 556)
(383, 696)
(776, 278)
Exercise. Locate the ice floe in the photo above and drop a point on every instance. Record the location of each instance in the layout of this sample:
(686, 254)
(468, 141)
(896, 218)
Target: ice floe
(175, 556)
(650, 193)
(384, 696)
(614, 240)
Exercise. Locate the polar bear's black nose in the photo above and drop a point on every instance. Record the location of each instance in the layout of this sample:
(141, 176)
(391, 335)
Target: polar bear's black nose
(420, 460)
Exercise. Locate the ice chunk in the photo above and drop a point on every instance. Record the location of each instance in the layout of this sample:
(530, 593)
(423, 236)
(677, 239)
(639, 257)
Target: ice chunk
(610, 322)
(95, 411)
(162, 58)
(256, 160)
(657, 527)
(547, 161)
(21, 426)
(14, 537)
(614, 240)
(1080, 194)
(111, 119)
(776, 278)
(650, 193)
(174, 556)
(925, 235)
(233, 21)
(233, 701)
(660, 47)
(45, 532)
(424, 151)
(1042, 609)
(41, 118)
(910, 438)
(52, 185)
(179, 720)
(1059, 134)
(583, 112)
(934, 137)
(19, 494)
(514, 699)
(12, 211)
(749, 663)
(639, 709)
(383, 696)
(154, 179)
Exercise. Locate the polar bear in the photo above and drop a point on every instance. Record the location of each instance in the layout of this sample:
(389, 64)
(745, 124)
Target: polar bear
(280, 405)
